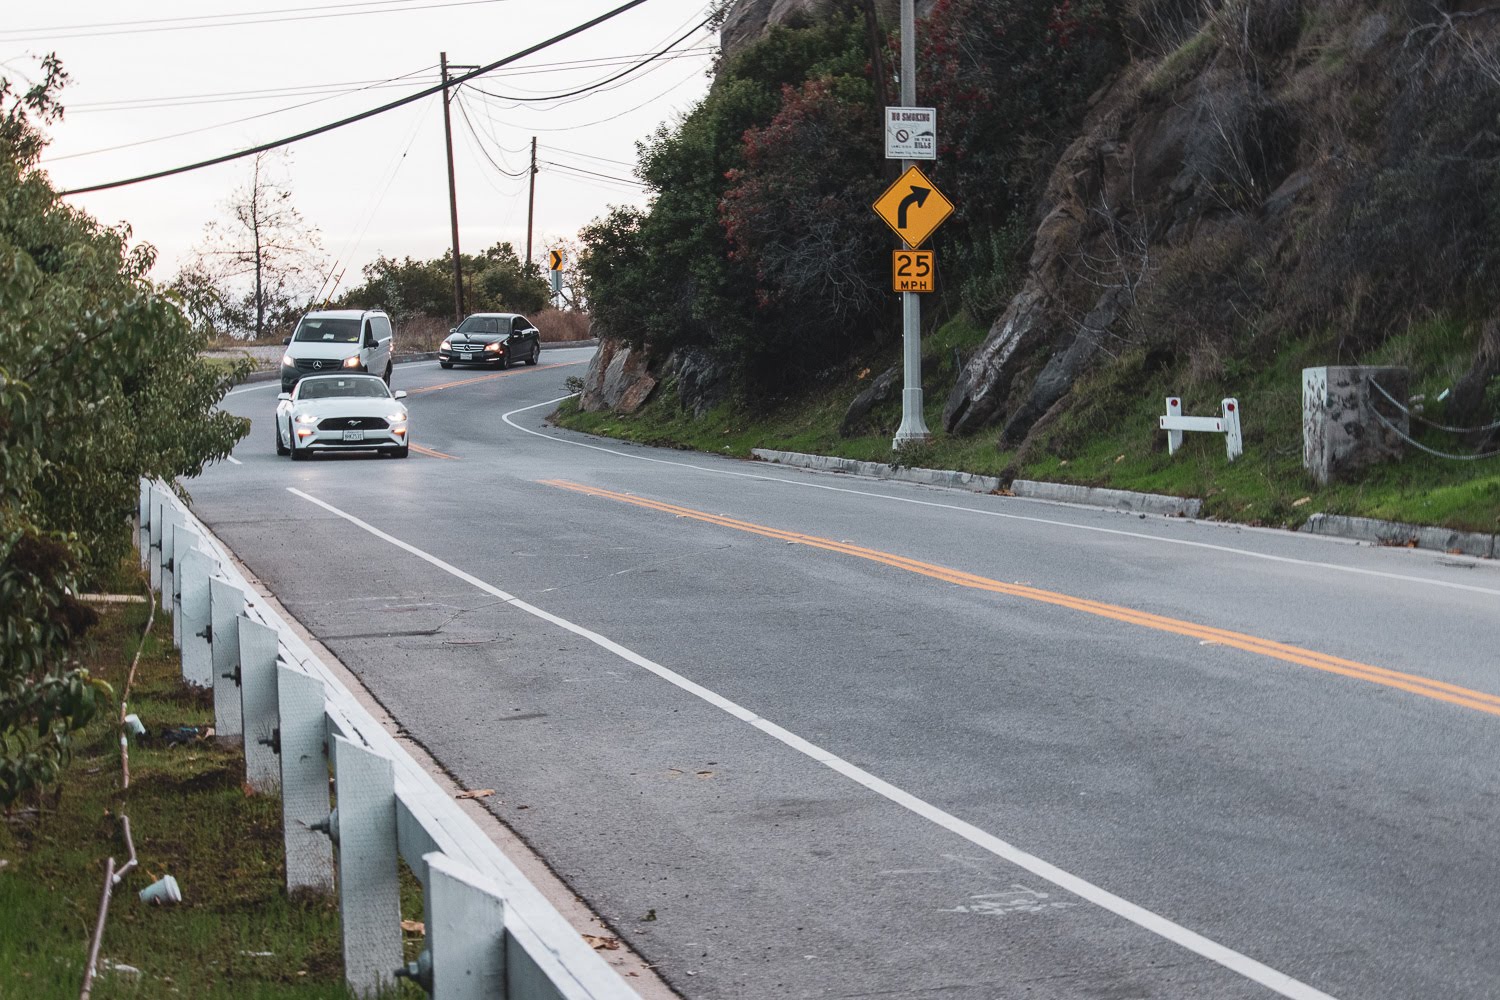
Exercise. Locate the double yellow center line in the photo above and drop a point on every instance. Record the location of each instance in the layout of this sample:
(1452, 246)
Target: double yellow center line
(1411, 683)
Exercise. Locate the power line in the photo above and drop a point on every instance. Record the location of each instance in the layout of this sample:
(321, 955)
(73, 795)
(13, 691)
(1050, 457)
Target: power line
(347, 86)
(231, 24)
(199, 17)
(210, 128)
(607, 118)
(592, 173)
(463, 110)
(309, 133)
(592, 156)
(608, 80)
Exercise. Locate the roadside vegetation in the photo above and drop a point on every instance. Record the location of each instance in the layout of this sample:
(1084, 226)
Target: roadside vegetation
(236, 933)
(100, 385)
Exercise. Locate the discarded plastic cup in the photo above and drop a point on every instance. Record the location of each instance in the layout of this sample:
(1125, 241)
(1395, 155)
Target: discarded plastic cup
(133, 723)
(161, 892)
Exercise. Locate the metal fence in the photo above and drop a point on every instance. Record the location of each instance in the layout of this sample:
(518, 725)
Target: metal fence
(489, 931)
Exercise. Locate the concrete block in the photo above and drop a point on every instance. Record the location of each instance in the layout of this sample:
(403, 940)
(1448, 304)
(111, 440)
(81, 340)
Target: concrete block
(1097, 496)
(1340, 430)
(369, 894)
(304, 781)
(226, 606)
(1370, 529)
(466, 932)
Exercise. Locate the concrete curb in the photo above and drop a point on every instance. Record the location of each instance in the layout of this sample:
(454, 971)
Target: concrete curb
(1368, 529)
(877, 470)
(1364, 529)
(1145, 503)
(1097, 496)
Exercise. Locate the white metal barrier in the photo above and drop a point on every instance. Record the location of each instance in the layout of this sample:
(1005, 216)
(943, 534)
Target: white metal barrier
(490, 932)
(1227, 423)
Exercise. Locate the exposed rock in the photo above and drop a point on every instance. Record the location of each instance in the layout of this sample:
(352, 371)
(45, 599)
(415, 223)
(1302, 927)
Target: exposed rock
(617, 379)
(882, 390)
(1062, 371)
(702, 380)
(749, 20)
(984, 382)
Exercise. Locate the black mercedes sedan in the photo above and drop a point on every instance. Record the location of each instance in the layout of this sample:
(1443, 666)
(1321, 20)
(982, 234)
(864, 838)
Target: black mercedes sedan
(498, 339)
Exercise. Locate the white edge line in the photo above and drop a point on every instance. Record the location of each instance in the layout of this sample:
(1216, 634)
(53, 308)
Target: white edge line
(234, 460)
(1247, 553)
(1278, 982)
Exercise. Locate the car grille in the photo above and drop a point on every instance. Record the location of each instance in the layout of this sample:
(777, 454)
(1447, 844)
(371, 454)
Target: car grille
(352, 424)
(328, 364)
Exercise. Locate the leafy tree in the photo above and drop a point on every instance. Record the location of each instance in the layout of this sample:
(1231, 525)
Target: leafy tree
(668, 277)
(100, 384)
(803, 222)
(494, 281)
(266, 240)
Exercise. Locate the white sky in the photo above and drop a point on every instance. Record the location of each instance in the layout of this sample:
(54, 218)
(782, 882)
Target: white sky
(379, 186)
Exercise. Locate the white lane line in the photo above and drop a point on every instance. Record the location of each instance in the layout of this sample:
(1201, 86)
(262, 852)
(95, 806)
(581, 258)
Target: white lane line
(1250, 554)
(253, 388)
(1278, 982)
(234, 460)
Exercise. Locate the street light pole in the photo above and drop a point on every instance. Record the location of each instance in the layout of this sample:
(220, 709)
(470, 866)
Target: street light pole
(913, 423)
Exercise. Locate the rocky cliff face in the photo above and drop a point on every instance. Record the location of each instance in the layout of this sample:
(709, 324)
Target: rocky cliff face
(1277, 167)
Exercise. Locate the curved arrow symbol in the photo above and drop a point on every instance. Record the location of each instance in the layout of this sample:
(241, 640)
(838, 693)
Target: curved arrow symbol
(918, 197)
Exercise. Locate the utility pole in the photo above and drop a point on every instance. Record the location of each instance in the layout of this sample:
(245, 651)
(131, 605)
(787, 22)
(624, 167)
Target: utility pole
(458, 274)
(913, 423)
(531, 199)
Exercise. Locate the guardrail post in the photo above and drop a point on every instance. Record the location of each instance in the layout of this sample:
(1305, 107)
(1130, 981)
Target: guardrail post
(157, 519)
(226, 604)
(194, 570)
(369, 894)
(1234, 442)
(258, 704)
(143, 523)
(465, 932)
(171, 517)
(304, 780)
(1174, 437)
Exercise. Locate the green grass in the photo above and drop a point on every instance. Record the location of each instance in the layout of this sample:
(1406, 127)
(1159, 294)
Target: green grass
(191, 818)
(1109, 435)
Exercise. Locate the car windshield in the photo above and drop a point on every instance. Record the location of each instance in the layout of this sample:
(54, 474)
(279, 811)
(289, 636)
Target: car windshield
(328, 388)
(480, 324)
(327, 331)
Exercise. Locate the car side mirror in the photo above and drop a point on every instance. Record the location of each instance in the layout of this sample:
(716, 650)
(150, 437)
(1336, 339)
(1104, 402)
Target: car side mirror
(400, 393)
(452, 329)
(286, 396)
(286, 340)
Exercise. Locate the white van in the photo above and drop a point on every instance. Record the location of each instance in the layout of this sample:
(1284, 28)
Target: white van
(333, 340)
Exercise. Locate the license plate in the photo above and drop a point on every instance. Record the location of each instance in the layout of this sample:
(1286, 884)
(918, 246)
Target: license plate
(354, 435)
(466, 356)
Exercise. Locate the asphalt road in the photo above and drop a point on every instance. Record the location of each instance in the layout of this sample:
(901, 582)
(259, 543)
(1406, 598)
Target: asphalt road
(800, 735)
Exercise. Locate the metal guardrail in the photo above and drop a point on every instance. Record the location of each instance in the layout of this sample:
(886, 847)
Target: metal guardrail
(490, 932)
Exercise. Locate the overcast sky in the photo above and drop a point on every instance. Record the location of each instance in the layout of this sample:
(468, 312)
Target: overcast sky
(379, 186)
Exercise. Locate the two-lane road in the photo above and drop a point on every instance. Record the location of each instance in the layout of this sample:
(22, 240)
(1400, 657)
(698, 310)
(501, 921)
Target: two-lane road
(810, 736)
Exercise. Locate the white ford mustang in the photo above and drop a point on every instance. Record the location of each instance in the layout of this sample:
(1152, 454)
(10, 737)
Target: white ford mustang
(341, 413)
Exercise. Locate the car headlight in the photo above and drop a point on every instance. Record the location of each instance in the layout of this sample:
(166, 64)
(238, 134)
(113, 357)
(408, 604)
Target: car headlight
(445, 346)
(494, 348)
(287, 362)
(352, 361)
(396, 418)
(305, 418)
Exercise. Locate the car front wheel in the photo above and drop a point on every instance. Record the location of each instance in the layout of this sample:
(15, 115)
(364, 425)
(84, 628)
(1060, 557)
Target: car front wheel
(298, 454)
(280, 448)
(445, 364)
